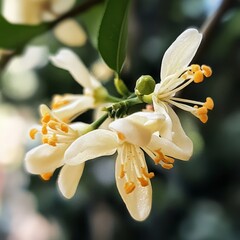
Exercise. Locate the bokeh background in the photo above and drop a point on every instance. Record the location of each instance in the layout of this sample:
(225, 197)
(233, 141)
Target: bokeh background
(196, 200)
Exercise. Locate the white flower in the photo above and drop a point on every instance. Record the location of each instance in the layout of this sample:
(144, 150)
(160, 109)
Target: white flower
(131, 136)
(33, 12)
(71, 105)
(57, 136)
(176, 75)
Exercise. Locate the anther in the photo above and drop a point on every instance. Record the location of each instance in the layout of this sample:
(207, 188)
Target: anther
(195, 67)
(168, 160)
(129, 187)
(46, 118)
(121, 136)
(44, 129)
(122, 172)
(198, 76)
(146, 173)
(32, 133)
(209, 104)
(44, 140)
(143, 181)
(203, 118)
(52, 125)
(202, 110)
(46, 176)
(167, 165)
(207, 71)
(64, 128)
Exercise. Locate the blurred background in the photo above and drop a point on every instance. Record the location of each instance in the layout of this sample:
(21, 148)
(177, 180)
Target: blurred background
(196, 200)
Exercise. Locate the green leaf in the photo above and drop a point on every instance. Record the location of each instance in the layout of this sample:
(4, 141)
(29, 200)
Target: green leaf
(14, 36)
(112, 39)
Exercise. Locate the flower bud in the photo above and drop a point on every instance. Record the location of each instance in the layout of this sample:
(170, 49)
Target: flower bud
(145, 85)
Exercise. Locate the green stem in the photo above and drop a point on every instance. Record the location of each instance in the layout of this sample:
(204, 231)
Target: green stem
(96, 124)
(110, 98)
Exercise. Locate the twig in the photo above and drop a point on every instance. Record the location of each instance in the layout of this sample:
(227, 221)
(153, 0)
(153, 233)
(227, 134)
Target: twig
(210, 24)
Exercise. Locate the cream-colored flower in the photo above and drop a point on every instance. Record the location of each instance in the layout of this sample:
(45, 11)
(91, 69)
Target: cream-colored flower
(131, 137)
(33, 12)
(176, 74)
(72, 105)
(57, 136)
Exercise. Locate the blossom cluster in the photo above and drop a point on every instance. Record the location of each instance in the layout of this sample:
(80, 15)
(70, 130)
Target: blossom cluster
(154, 131)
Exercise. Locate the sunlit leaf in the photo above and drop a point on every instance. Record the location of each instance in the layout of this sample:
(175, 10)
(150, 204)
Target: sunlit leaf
(112, 38)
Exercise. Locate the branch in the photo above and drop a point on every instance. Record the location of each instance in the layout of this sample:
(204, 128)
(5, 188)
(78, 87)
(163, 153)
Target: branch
(211, 23)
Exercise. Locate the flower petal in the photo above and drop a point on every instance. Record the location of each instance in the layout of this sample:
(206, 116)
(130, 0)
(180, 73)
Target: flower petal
(22, 11)
(69, 178)
(69, 32)
(62, 6)
(75, 108)
(180, 53)
(180, 146)
(69, 61)
(44, 158)
(139, 201)
(94, 144)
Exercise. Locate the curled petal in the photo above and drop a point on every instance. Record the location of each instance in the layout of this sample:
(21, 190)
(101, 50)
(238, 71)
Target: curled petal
(180, 53)
(180, 146)
(139, 201)
(69, 61)
(69, 178)
(94, 144)
(44, 158)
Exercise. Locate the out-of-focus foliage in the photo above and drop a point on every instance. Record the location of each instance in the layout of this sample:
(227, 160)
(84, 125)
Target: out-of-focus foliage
(196, 200)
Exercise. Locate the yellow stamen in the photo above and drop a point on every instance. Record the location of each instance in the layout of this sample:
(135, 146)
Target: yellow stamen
(159, 157)
(168, 160)
(146, 173)
(59, 104)
(52, 124)
(46, 176)
(122, 172)
(32, 133)
(195, 67)
(129, 187)
(203, 118)
(44, 129)
(64, 128)
(207, 71)
(202, 110)
(209, 104)
(46, 118)
(121, 136)
(44, 140)
(143, 181)
(167, 165)
(198, 76)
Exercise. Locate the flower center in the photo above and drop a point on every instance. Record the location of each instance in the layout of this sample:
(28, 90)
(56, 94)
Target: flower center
(54, 131)
(133, 167)
(174, 83)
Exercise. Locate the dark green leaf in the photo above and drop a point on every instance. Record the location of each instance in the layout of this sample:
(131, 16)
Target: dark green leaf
(112, 39)
(14, 36)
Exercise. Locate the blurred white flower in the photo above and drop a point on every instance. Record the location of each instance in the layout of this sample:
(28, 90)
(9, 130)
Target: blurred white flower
(33, 12)
(72, 105)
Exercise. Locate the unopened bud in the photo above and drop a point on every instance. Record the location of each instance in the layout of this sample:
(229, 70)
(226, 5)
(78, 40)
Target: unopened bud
(145, 85)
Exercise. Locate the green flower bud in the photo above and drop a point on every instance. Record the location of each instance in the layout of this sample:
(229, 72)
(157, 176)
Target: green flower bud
(145, 85)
